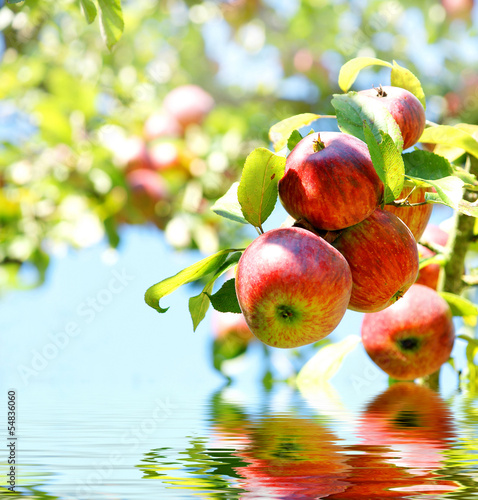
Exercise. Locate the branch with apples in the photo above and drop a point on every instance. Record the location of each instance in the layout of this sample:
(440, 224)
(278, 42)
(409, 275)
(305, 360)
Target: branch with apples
(358, 236)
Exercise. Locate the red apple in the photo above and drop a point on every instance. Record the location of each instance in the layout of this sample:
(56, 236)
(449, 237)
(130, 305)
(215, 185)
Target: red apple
(415, 218)
(413, 337)
(293, 287)
(160, 125)
(404, 107)
(383, 257)
(330, 181)
(429, 274)
(188, 104)
(434, 234)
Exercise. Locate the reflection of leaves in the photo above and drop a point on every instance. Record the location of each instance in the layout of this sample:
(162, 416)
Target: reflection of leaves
(207, 470)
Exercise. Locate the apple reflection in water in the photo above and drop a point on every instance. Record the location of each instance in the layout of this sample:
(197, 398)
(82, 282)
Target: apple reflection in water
(292, 457)
(404, 432)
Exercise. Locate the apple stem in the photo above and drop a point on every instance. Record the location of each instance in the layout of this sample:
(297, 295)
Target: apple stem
(318, 144)
(380, 91)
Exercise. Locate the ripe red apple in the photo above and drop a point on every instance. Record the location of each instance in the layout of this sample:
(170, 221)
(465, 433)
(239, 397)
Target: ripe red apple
(413, 337)
(188, 104)
(160, 125)
(415, 218)
(383, 257)
(330, 181)
(429, 274)
(293, 287)
(404, 107)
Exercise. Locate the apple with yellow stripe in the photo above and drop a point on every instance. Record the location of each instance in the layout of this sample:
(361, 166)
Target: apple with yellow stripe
(292, 286)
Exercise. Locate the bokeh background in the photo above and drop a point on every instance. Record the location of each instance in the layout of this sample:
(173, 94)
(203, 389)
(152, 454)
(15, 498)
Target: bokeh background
(83, 234)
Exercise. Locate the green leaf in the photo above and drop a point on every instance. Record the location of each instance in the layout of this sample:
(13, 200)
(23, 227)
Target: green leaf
(89, 10)
(426, 165)
(111, 21)
(228, 205)
(451, 136)
(294, 139)
(326, 362)
(387, 161)
(405, 79)
(449, 195)
(459, 305)
(353, 109)
(350, 70)
(225, 299)
(257, 191)
(449, 191)
(15, 1)
(280, 132)
(199, 305)
(192, 273)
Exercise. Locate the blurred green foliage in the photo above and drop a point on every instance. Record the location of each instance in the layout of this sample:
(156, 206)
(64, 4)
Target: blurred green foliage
(69, 104)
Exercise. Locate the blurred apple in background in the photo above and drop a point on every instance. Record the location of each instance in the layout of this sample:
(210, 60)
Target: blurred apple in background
(149, 195)
(458, 8)
(160, 125)
(188, 104)
(133, 154)
(231, 337)
(415, 218)
(429, 274)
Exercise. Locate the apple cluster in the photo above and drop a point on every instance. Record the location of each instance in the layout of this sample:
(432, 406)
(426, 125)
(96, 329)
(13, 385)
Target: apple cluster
(158, 161)
(345, 250)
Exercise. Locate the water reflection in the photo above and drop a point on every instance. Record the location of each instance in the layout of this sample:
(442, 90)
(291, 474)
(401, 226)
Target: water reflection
(397, 451)
(407, 442)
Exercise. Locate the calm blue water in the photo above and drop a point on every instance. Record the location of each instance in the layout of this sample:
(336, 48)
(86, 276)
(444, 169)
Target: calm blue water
(117, 402)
